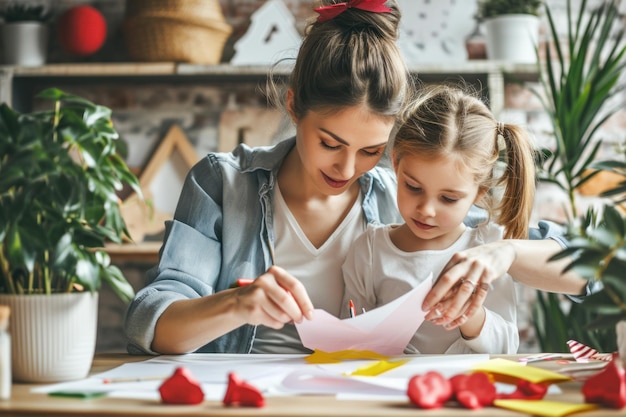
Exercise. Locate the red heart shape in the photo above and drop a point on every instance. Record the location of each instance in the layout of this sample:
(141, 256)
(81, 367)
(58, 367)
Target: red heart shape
(607, 387)
(181, 388)
(242, 393)
(429, 390)
(474, 390)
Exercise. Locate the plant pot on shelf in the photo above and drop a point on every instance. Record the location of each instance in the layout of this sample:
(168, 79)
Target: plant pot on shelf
(512, 38)
(53, 337)
(25, 43)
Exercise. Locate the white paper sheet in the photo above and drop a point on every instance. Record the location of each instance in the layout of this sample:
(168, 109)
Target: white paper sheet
(386, 330)
(274, 375)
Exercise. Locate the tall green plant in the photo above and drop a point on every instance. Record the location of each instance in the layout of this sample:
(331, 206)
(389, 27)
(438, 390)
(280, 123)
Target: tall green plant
(59, 177)
(578, 90)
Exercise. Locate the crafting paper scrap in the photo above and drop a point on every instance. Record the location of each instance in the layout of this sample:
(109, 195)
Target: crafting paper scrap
(583, 352)
(386, 329)
(544, 408)
(580, 351)
(507, 371)
(377, 368)
(319, 356)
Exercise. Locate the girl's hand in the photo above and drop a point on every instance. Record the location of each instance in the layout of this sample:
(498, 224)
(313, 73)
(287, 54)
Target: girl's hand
(273, 299)
(464, 282)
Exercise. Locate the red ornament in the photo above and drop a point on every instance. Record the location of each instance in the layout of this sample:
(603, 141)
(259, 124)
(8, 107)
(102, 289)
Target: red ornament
(82, 30)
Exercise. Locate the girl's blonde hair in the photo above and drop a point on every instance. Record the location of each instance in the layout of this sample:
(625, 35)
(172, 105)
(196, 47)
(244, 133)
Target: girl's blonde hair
(443, 120)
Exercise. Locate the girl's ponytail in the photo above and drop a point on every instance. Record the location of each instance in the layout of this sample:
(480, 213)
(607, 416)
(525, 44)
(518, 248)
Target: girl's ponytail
(516, 205)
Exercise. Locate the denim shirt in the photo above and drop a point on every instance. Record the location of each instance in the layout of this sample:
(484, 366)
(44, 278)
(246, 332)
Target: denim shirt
(223, 230)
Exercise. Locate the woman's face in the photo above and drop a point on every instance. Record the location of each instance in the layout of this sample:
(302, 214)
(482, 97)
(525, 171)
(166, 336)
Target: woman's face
(337, 148)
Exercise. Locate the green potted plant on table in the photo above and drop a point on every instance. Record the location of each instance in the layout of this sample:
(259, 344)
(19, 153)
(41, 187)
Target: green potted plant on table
(25, 34)
(598, 248)
(577, 86)
(60, 172)
(512, 29)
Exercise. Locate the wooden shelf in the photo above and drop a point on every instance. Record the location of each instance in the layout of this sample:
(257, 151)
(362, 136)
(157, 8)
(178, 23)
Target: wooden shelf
(489, 75)
(145, 252)
(171, 68)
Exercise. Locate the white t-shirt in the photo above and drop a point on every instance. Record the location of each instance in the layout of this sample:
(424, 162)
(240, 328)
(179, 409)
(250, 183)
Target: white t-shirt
(319, 269)
(377, 272)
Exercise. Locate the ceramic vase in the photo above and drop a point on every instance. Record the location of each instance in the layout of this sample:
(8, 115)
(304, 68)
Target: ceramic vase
(25, 44)
(512, 38)
(53, 337)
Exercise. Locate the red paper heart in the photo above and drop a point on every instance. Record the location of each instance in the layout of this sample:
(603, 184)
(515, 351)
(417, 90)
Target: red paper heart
(429, 390)
(473, 391)
(607, 387)
(181, 388)
(526, 390)
(242, 393)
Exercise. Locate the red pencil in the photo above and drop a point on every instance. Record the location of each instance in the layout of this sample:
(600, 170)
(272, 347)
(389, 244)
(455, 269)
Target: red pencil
(241, 282)
(352, 309)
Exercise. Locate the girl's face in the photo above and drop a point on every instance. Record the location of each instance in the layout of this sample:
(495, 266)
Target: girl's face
(434, 196)
(337, 148)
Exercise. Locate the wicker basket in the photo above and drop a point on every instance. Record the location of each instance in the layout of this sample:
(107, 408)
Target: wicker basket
(159, 39)
(183, 9)
(175, 30)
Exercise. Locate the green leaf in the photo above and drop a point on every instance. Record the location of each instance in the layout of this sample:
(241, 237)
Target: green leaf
(59, 172)
(114, 277)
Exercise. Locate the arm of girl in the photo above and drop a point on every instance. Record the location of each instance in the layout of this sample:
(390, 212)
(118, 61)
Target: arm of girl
(525, 260)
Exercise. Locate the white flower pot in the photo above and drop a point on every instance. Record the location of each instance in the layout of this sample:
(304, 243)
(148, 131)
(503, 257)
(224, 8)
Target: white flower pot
(512, 38)
(53, 337)
(25, 43)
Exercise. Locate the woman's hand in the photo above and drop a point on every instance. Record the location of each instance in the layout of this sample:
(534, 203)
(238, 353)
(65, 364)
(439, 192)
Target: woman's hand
(464, 282)
(273, 299)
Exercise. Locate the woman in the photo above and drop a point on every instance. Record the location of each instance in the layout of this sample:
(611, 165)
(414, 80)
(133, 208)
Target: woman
(292, 210)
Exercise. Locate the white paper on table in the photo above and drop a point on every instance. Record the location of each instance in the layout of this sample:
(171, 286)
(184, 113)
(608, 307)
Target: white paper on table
(334, 378)
(211, 370)
(386, 330)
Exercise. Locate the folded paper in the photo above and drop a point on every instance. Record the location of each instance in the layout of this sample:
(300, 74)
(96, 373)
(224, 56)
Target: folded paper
(507, 371)
(544, 408)
(385, 330)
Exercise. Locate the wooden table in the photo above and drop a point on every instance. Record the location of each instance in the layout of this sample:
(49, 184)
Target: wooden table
(25, 403)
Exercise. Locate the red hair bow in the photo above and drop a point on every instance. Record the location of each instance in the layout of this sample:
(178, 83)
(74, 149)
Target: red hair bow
(334, 10)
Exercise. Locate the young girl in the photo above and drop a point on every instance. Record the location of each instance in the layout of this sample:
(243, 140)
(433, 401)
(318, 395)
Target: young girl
(286, 215)
(446, 158)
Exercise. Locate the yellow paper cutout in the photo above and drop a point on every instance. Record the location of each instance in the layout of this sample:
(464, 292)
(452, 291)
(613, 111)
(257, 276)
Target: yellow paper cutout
(377, 368)
(319, 356)
(544, 408)
(506, 371)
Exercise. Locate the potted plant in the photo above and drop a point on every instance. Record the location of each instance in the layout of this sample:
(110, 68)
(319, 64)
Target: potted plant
(577, 85)
(25, 34)
(60, 172)
(511, 29)
(598, 249)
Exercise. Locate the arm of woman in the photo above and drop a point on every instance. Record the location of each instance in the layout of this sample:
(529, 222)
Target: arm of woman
(273, 299)
(186, 303)
(525, 260)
